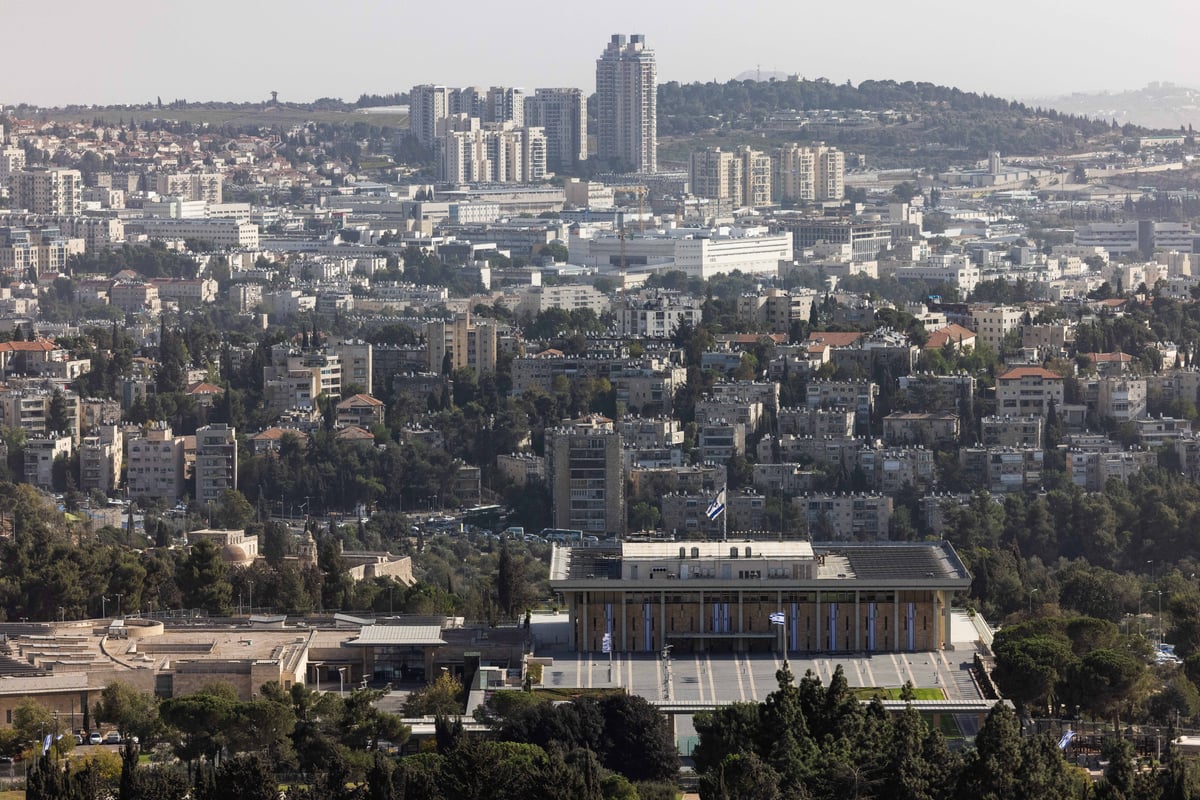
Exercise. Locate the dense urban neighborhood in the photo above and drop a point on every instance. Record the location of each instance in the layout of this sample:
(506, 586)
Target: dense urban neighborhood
(775, 438)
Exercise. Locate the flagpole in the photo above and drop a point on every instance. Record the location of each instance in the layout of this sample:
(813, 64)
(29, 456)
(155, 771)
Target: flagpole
(725, 516)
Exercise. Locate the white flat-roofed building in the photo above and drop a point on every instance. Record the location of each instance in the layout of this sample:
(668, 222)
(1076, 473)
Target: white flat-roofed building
(220, 232)
(699, 252)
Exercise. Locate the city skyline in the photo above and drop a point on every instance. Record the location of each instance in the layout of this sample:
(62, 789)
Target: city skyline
(243, 52)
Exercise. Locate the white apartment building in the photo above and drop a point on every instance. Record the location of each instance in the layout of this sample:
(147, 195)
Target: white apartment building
(203, 186)
(991, 325)
(568, 297)
(55, 191)
(700, 252)
(155, 464)
(951, 269)
(428, 105)
(627, 103)
(495, 154)
(657, 318)
(40, 454)
(225, 233)
(808, 174)
(742, 177)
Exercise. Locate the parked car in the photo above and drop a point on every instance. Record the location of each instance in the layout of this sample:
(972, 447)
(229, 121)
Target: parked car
(114, 737)
(95, 738)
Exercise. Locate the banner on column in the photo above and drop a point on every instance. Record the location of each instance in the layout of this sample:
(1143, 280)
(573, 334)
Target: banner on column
(794, 624)
(833, 616)
(872, 611)
(648, 626)
(912, 626)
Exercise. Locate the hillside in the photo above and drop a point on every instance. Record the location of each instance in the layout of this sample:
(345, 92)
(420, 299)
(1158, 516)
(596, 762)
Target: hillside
(883, 119)
(1159, 105)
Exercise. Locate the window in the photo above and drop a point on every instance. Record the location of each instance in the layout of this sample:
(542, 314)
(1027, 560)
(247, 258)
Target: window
(733, 552)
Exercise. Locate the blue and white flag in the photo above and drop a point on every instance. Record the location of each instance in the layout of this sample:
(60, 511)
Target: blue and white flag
(778, 618)
(46, 744)
(1066, 739)
(717, 506)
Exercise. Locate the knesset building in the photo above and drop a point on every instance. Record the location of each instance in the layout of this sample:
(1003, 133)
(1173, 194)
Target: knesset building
(718, 596)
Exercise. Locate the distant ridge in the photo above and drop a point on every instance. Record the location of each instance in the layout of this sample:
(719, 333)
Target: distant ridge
(761, 75)
(1158, 105)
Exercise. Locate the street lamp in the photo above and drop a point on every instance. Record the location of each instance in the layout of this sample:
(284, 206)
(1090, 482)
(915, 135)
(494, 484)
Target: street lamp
(103, 607)
(1032, 592)
(250, 585)
(316, 665)
(62, 614)
(342, 681)
(118, 596)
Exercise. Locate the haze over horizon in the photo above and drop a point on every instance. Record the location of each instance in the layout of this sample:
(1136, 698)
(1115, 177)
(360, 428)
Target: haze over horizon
(227, 51)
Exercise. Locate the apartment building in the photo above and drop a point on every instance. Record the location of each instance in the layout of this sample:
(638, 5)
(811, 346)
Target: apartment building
(492, 154)
(1002, 469)
(912, 427)
(33, 410)
(741, 177)
(224, 233)
(56, 191)
(100, 459)
(156, 464)
(428, 106)
(992, 324)
(846, 517)
(216, 462)
(777, 309)
(657, 317)
(41, 453)
(205, 186)
(583, 466)
(627, 104)
(562, 114)
(467, 342)
(1028, 390)
(1019, 430)
(808, 174)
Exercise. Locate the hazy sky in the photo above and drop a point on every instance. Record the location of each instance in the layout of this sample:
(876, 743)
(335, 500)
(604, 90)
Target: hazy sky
(81, 51)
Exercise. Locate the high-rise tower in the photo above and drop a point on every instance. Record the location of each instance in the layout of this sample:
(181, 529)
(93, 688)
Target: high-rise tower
(627, 103)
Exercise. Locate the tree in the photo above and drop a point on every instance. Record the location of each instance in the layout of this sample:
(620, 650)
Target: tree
(740, 775)
(511, 586)
(994, 769)
(443, 696)
(133, 712)
(203, 579)
(57, 417)
(234, 510)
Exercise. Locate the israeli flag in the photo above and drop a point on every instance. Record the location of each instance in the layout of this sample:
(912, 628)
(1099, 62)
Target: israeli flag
(717, 506)
(778, 618)
(1067, 736)
(606, 643)
(46, 744)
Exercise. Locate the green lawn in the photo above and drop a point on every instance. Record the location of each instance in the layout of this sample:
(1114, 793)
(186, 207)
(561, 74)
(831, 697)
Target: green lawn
(893, 693)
